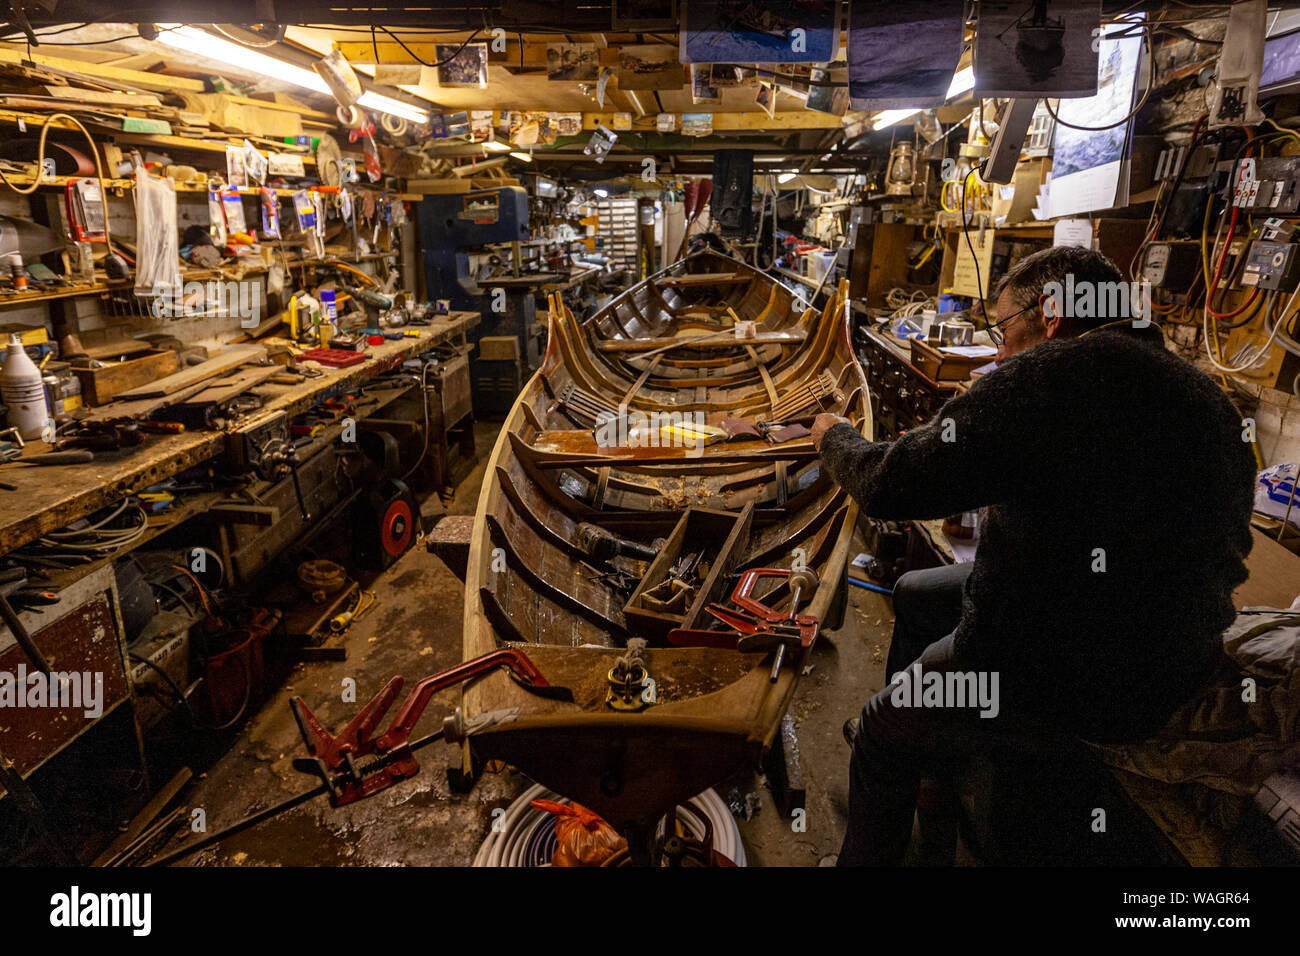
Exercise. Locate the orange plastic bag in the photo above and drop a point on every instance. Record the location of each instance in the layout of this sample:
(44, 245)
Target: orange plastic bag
(584, 838)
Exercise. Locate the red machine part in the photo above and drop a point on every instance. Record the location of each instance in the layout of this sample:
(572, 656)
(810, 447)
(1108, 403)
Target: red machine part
(355, 765)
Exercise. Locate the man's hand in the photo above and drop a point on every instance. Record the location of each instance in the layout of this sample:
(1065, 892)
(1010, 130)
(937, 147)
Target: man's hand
(822, 423)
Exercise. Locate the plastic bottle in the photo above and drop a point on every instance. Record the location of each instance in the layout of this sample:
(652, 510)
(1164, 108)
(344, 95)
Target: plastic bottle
(22, 390)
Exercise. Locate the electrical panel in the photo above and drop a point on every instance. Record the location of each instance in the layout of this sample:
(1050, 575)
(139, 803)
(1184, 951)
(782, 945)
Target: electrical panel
(1268, 186)
(1271, 265)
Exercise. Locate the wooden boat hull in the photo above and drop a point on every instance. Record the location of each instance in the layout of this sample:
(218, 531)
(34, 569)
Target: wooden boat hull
(530, 584)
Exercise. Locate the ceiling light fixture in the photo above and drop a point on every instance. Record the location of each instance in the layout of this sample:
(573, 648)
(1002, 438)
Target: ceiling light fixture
(521, 156)
(786, 177)
(197, 42)
(962, 81)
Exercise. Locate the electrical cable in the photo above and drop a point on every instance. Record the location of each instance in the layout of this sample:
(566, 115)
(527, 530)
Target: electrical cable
(1146, 94)
(965, 229)
(184, 702)
(422, 62)
(424, 398)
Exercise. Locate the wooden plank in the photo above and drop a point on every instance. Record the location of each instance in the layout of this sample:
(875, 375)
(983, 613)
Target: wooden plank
(224, 388)
(686, 341)
(129, 100)
(120, 347)
(152, 81)
(146, 816)
(230, 358)
(703, 279)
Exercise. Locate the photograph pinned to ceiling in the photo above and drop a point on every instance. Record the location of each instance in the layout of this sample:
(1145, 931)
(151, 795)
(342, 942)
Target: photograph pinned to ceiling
(532, 128)
(622, 122)
(697, 124)
(567, 62)
(903, 53)
(765, 96)
(774, 31)
(1088, 166)
(703, 89)
(640, 16)
(825, 94)
(650, 66)
(453, 125)
(568, 124)
(602, 84)
(398, 74)
(601, 142)
(1043, 48)
(666, 122)
(480, 125)
(466, 70)
(506, 120)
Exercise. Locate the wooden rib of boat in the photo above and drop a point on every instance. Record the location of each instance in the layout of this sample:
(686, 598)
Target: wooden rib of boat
(556, 495)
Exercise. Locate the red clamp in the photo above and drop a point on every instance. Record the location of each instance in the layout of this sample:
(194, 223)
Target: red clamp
(757, 627)
(355, 765)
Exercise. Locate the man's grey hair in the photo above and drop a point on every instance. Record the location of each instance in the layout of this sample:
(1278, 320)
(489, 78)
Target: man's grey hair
(1031, 277)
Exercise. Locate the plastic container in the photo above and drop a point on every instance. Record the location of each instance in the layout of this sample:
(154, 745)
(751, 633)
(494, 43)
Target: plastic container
(23, 391)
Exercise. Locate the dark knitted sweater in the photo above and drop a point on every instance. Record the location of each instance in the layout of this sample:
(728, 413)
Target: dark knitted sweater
(1106, 442)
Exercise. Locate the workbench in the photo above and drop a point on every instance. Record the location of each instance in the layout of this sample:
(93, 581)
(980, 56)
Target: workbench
(49, 498)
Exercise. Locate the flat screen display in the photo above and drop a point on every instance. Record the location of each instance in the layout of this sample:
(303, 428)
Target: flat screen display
(1281, 62)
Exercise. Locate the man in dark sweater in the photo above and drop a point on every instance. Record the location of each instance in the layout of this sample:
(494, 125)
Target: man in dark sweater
(1117, 487)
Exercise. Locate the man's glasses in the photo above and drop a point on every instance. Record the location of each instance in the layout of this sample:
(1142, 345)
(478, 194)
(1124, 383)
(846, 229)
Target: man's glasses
(994, 329)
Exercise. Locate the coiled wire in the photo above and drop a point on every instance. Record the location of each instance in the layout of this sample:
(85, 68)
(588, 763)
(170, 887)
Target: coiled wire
(526, 836)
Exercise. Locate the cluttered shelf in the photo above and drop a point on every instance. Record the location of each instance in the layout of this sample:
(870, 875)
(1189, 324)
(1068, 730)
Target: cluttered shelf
(35, 501)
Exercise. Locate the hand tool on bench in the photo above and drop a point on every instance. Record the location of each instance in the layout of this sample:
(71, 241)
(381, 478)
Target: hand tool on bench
(354, 764)
(753, 625)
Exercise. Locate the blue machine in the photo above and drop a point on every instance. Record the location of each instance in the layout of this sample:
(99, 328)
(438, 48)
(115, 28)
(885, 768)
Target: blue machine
(450, 225)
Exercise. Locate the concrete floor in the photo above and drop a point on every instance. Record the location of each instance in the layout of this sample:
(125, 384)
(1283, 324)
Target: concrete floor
(414, 629)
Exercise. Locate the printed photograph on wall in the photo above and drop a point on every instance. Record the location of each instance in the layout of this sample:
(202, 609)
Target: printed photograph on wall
(572, 61)
(1042, 48)
(773, 31)
(703, 89)
(697, 124)
(825, 94)
(903, 53)
(650, 66)
(465, 70)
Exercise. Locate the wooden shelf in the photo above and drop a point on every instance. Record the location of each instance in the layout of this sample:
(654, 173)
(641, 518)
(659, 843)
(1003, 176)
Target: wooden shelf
(10, 300)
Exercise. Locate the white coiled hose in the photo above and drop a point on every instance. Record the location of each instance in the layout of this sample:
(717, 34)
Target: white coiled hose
(507, 844)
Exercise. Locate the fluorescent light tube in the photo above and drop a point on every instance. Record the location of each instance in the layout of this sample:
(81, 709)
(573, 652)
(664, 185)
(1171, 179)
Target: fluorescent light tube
(963, 81)
(199, 43)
